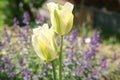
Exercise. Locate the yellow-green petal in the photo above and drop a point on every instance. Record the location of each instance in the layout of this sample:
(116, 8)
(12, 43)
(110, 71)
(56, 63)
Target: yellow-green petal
(43, 43)
(61, 17)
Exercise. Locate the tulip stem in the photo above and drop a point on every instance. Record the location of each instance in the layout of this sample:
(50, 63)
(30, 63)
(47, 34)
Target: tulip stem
(60, 58)
(54, 72)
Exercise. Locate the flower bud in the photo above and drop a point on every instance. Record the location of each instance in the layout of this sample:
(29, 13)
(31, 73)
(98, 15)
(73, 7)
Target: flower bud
(44, 43)
(61, 17)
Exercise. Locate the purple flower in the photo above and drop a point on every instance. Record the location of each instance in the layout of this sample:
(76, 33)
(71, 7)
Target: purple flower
(96, 72)
(95, 38)
(1, 69)
(21, 63)
(91, 50)
(86, 57)
(67, 62)
(85, 79)
(16, 22)
(6, 65)
(74, 71)
(114, 57)
(26, 74)
(10, 74)
(103, 65)
(70, 53)
(81, 63)
(95, 78)
(6, 36)
(104, 58)
(81, 71)
(25, 21)
(26, 27)
(73, 35)
(84, 38)
(26, 77)
(88, 65)
(25, 17)
(22, 35)
(25, 71)
(25, 55)
(1, 47)
(89, 53)
(7, 60)
(84, 52)
(39, 18)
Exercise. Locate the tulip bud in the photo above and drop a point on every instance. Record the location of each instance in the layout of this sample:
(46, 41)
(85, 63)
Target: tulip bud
(44, 43)
(61, 17)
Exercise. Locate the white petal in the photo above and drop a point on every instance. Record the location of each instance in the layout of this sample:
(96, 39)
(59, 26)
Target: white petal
(68, 7)
(51, 6)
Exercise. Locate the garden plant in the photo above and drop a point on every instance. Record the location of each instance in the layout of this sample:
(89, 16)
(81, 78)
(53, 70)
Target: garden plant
(54, 52)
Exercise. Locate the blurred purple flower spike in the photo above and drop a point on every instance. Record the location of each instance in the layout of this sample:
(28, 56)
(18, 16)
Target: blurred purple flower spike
(104, 58)
(95, 38)
(83, 52)
(74, 71)
(6, 36)
(25, 55)
(25, 17)
(88, 65)
(67, 62)
(39, 18)
(1, 47)
(95, 73)
(16, 22)
(85, 79)
(26, 27)
(1, 69)
(103, 65)
(10, 74)
(25, 21)
(73, 34)
(70, 54)
(7, 66)
(90, 52)
(21, 63)
(7, 59)
(114, 57)
(83, 41)
(26, 73)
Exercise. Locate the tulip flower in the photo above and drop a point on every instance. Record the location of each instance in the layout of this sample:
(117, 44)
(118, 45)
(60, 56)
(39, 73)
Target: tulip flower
(61, 17)
(44, 43)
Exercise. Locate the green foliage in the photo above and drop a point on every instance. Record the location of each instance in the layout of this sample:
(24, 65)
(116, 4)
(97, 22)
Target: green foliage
(15, 8)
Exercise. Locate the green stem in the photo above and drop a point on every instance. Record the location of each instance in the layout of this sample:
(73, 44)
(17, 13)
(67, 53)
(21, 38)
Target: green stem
(54, 72)
(60, 58)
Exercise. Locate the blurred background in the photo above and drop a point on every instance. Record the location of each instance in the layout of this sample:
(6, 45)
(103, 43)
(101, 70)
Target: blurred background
(103, 15)
(91, 18)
